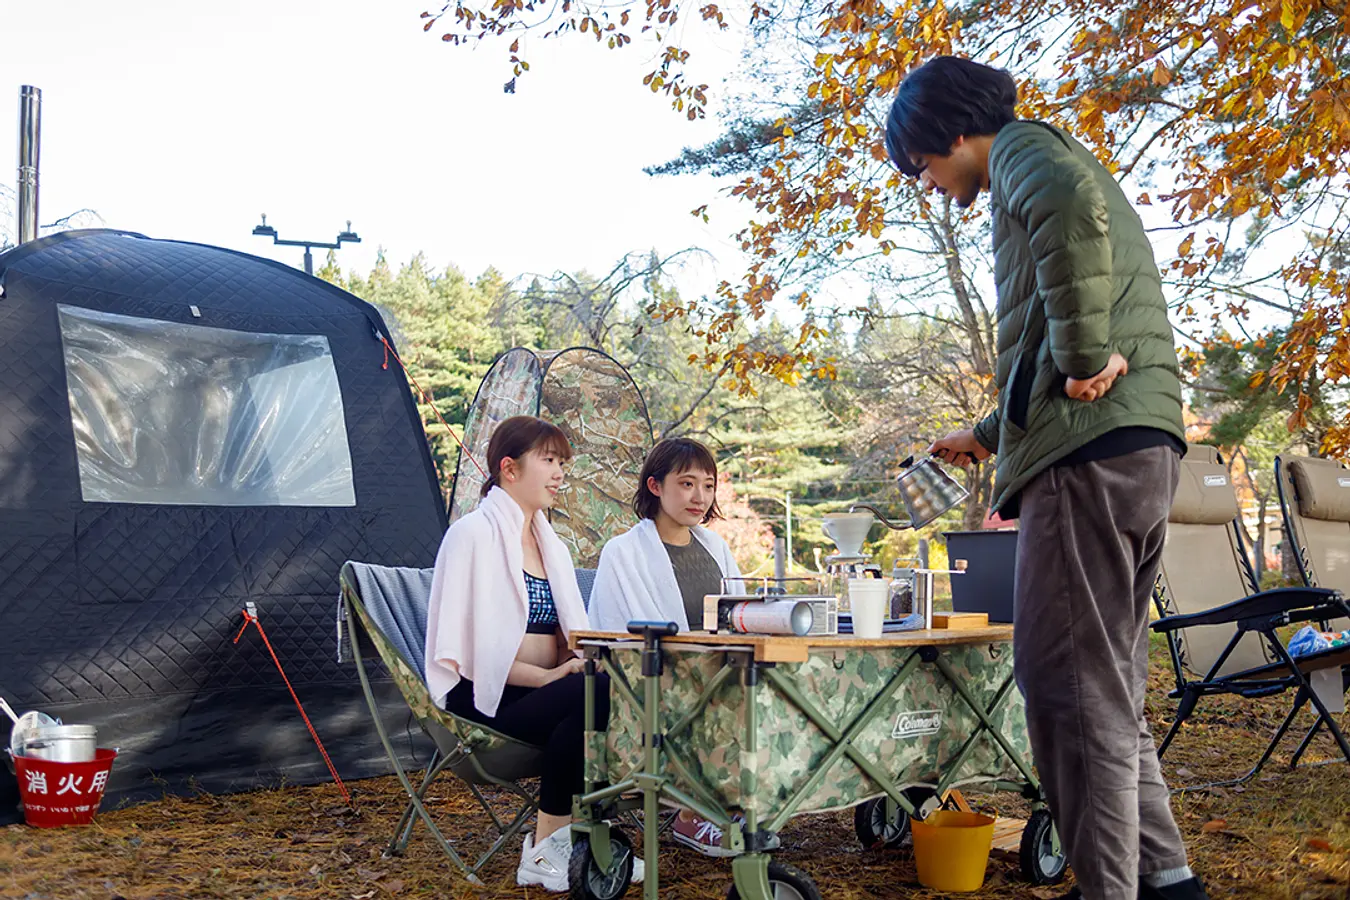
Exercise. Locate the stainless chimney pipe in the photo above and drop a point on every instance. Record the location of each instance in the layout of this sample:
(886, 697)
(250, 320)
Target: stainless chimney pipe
(30, 141)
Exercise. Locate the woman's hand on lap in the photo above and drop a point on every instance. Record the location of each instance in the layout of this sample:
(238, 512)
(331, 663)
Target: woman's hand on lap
(570, 667)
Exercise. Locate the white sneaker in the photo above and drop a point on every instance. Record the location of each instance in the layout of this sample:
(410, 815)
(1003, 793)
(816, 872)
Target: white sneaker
(546, 864)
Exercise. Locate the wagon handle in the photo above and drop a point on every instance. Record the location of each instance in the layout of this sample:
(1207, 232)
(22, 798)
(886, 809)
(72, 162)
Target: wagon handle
(650, 629)
(652, 632)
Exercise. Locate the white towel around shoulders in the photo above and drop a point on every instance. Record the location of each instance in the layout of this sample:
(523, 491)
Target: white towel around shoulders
(636, 580)
(478, 608)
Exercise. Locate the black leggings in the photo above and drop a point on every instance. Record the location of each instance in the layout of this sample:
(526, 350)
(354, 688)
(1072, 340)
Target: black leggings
(551, 717)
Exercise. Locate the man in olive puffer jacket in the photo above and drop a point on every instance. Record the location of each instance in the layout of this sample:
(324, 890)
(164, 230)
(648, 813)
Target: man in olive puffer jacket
(1089, 436)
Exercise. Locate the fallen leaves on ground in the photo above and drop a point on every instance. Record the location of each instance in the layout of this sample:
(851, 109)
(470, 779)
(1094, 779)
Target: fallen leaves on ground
(1285, 837)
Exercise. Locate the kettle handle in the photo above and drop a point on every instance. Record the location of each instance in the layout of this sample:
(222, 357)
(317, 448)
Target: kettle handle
(959, 454)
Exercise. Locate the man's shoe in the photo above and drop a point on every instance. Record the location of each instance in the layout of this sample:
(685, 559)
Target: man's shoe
(1190, 889)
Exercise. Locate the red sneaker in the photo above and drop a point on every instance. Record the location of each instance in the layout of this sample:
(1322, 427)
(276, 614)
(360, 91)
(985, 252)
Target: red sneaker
(701, 835)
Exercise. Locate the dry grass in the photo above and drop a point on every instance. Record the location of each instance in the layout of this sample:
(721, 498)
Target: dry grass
(1286, 836)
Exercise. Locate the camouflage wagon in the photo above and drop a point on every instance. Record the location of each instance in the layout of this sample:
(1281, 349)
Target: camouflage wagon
(747, 739)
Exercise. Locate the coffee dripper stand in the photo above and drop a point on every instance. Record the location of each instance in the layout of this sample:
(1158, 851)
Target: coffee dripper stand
(918, 579)
(840, 569)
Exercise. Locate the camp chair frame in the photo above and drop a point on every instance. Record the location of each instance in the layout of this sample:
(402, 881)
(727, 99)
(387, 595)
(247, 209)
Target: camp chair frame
(474, 753)
(1261, 613)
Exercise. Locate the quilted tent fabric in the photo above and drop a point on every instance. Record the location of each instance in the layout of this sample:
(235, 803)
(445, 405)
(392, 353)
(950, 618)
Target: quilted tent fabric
(124, 616)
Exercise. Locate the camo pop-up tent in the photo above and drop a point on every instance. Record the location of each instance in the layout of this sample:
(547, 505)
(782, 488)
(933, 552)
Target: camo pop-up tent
(184, 429)
(594, 401)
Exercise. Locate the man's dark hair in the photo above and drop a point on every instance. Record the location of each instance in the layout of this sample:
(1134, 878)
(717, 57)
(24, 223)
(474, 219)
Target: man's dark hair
(942, 100)
(673, 456)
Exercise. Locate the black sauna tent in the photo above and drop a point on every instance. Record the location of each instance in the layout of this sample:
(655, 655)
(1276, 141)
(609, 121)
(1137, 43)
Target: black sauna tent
(184, 429)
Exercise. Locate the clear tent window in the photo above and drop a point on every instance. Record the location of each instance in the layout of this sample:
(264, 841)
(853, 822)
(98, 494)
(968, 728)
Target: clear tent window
(173, 414)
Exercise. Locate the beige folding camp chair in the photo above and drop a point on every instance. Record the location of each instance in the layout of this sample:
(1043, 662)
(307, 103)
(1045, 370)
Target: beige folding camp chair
(1315, 505)
(1221, 631)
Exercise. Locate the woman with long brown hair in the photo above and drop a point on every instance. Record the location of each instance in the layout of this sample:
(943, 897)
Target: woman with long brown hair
(504, 598)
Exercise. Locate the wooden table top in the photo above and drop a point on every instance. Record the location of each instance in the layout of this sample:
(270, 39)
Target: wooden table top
(791, 649)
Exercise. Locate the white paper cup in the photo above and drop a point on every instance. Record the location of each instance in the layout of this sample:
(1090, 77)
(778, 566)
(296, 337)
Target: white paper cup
(867, 597)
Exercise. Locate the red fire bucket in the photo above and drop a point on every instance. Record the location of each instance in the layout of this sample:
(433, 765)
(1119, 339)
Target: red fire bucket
(55, 794)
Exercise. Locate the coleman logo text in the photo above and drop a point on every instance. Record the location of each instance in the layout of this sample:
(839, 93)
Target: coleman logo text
(916, 724)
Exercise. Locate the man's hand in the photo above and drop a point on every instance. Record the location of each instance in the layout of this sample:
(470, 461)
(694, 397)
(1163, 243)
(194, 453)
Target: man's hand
(1094, 388)
(959, 447)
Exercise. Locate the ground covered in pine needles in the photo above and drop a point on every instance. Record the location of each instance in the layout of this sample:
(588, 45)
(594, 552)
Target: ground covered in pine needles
(1285, 835)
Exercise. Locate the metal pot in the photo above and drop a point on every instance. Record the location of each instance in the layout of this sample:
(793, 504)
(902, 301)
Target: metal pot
(26, 725)
(62, 743)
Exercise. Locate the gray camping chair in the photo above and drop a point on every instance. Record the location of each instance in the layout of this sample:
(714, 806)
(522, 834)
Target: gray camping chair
(389, 605)
(1221, 631)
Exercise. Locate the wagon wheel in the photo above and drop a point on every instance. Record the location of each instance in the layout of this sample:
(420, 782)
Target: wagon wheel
(785, 883)
(1041, 864)
(587, 881)
(875, 831)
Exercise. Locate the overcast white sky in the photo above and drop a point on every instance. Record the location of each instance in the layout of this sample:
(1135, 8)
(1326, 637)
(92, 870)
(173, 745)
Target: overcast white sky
(188, 120)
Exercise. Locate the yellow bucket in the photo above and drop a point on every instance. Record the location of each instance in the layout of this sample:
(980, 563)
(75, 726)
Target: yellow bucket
(951, 849)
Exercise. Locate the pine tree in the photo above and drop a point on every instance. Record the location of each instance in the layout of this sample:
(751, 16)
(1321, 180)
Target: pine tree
(445, 338)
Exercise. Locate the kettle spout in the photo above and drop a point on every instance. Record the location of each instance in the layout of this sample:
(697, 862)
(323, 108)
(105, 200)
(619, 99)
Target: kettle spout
(882, 516)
